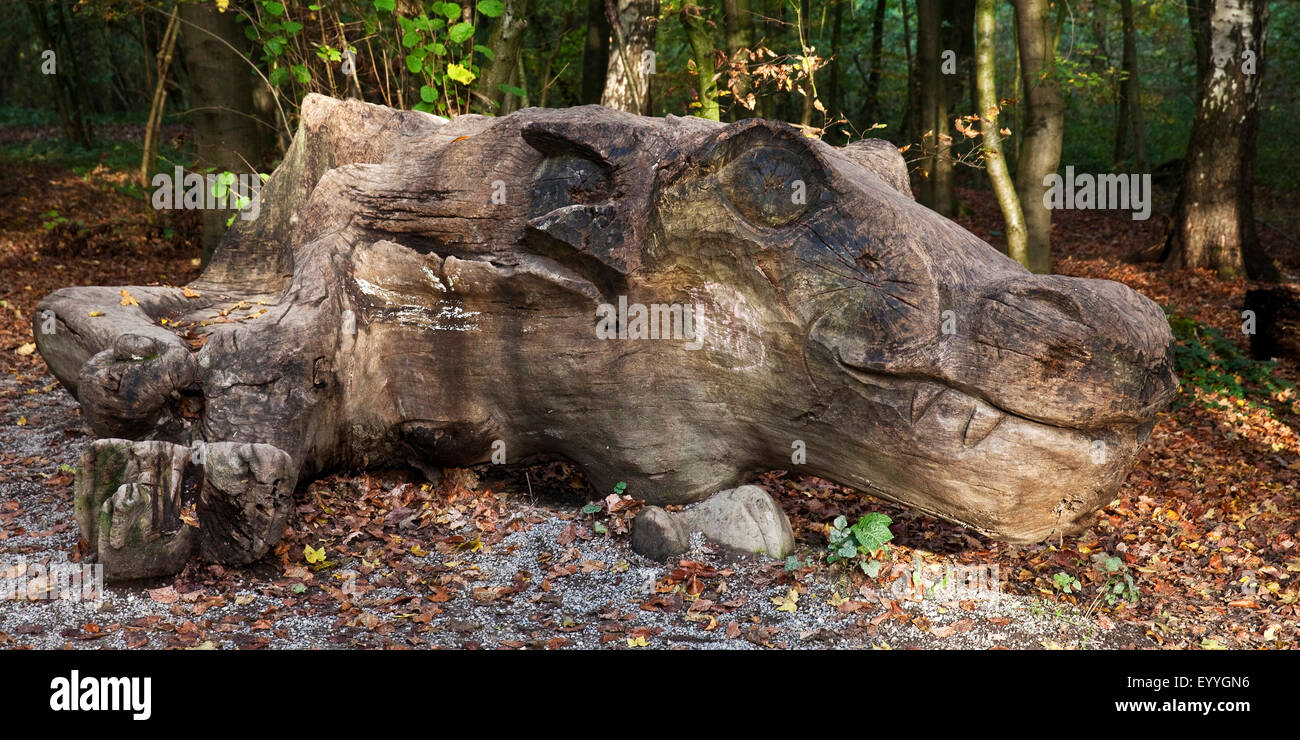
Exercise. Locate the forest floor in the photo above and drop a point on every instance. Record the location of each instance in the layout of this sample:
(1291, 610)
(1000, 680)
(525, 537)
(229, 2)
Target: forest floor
(1206, 526)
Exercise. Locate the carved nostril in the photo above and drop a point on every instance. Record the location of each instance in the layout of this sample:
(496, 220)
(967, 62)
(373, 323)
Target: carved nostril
(134, 347)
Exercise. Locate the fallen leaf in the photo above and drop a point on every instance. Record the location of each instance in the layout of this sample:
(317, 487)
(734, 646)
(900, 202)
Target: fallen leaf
(164, 595)
(128, 299)
(788, 603)
(26, 349)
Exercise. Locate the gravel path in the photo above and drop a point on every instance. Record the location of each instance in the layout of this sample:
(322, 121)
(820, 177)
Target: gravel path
(597, 592)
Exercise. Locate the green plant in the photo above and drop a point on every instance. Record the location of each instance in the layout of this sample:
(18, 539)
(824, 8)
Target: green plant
(51, 218)
(869, 535)
(1066, 583)
(1210, 362)
(1119, 584)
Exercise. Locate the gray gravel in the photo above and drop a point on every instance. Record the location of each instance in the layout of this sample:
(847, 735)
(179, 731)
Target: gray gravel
(227, 610)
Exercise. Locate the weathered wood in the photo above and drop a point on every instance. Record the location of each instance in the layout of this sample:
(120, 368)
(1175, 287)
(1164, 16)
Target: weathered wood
(433, 294)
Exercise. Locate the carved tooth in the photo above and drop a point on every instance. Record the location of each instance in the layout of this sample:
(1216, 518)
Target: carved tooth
(923, 398)
(983, 420)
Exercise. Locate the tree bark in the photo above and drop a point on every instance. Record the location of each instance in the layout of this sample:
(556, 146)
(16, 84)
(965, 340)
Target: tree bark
(1214, 219)
(696, 25)
(1044, 126)
(1130, 99)
(505, 41)
(595, 53)
(627, 79)
(986, 91)
(936, 143)
(872, 93)
(226, 128)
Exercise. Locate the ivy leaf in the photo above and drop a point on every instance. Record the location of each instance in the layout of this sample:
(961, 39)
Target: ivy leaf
(872, 531)
(491, 8)
(460, 32)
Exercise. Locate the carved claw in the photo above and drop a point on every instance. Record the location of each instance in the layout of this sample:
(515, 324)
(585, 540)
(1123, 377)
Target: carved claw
(124, 389)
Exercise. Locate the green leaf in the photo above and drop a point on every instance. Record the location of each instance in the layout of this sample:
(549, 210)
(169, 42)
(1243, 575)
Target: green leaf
(847, 550)
(599, 528)
(407, 24)
(428, 94)
(1112, 564)
(386, 5)
(274, 46)
(485, 51)
(460, 32)
(410, 38)
(872, 531)
(841, 522)
(491, 8)
(871, 568)
(275, 9)
(591, 509)
(451, 10)
(620, 487)
(424, 107)
(277, 76)
(301, 73)
(414, 63)
(292, 27)
(512, 90)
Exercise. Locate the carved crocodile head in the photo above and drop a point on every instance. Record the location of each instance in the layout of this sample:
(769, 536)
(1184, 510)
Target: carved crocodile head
(673, 303)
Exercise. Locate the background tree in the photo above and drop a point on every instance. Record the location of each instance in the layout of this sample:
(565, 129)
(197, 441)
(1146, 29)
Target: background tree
(1214, 219)
(627, 78)
(989, 106)
(937, 186)
(1044, 126)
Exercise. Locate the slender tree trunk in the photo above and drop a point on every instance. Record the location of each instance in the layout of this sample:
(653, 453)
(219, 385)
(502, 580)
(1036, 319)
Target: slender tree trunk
(1130, 100)
(226, 127)
(1040, 149)
(164, 61)
(75, 129)
(936, 143)
(595, 53)
(631, 58)
(833, 102)
(872, 92)
(504, 40)
(911, 113)
(1214, 220)
(986, 93)
(739, 21)
(695, 23)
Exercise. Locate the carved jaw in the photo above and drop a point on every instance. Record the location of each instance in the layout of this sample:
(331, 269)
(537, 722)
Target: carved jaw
(958, 456)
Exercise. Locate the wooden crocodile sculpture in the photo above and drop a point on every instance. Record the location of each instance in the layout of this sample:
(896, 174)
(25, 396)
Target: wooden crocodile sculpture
(670, 302)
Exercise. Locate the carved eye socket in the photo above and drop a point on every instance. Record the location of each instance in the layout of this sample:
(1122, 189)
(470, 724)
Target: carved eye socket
(771, 185)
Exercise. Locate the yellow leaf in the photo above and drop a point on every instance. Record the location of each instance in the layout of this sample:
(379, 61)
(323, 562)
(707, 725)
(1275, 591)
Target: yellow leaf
(93, 314)
(313, 556)
(638, 641)
(22, 421)
(789, 603)
(26, 349)
(190, 293)
(418, 551)
(128, 299)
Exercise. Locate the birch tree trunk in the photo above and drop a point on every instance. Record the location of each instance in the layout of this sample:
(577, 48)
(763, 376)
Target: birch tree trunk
(627, 79)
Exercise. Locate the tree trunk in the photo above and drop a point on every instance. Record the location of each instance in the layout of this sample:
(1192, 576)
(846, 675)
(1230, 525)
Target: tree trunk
(166, 47)
(75, 129)
(595, 53)
(1130, 100)
(1040, 148)
(706, 86)
(226, 132)
(631, 58)
(739, 23)
(833, 102)
(936, 143)
(872, 93)
(505, 40)
(1214, 219)
(986, 91)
